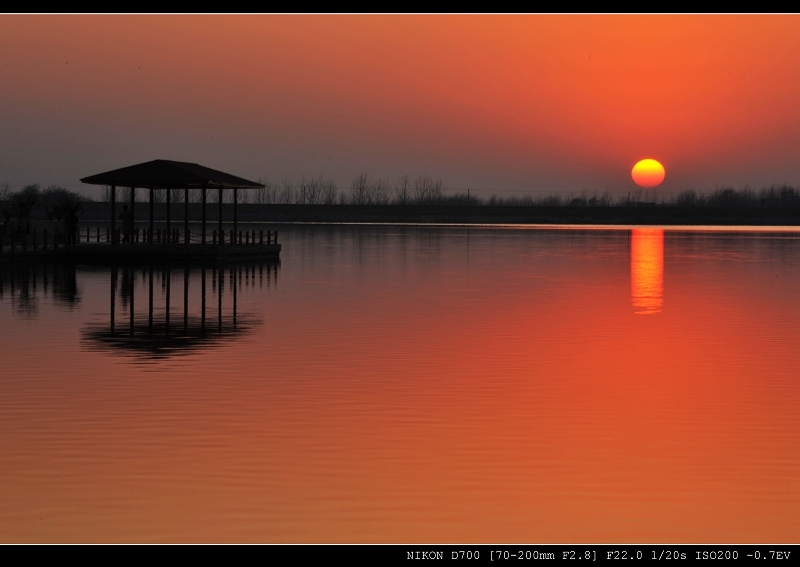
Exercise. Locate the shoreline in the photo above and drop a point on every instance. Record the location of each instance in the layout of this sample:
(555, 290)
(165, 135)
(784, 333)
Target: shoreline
(99, 214)
(463, 214)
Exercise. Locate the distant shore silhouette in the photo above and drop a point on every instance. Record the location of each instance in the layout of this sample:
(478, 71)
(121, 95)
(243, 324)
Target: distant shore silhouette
(426, 202)
(487, 214)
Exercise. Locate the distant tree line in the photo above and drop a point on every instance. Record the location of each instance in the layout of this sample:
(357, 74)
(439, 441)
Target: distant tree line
(364, 190)
(424, 190)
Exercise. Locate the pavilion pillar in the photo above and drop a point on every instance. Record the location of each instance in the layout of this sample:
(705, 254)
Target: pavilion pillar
(203, 231)
(133, 217)
(235, 217)
(113, 213)
(221, 235)
(150, 235)
(169, 215)
(186, 214)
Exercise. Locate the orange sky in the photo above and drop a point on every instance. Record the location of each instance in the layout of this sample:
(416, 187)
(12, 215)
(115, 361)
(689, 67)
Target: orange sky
(500, 104)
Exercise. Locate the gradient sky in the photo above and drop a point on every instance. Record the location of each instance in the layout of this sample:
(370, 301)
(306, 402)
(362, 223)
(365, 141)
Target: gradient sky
(499, 104)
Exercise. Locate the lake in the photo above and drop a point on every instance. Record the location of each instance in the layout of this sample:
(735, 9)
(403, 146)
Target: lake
(411, 384)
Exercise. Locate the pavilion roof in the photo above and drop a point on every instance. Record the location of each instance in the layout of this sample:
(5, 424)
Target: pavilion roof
(166, 174)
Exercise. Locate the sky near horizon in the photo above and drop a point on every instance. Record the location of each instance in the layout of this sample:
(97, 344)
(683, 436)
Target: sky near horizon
(506, 104)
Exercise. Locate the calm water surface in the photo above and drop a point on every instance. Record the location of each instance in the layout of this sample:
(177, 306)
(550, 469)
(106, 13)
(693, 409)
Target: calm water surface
(411, 384)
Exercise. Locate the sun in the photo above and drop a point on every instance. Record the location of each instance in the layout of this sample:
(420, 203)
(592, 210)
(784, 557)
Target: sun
(648, 173)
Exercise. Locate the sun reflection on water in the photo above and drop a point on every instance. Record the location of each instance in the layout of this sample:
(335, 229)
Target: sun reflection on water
(647, 270)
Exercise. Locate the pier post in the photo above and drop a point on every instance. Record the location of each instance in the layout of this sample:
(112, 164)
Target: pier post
(150, 233)
(133, 216)
(169, 214)
(186, 214)
(219, 221)
(203, 230)
(235, 209)
(113, 214)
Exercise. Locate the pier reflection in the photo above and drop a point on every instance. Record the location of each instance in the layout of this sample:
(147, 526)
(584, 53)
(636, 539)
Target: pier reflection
(208, 315)
(27, 284)
(647, 270)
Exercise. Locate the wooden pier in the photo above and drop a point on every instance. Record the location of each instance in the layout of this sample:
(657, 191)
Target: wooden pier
(96, 246)
(127, 244)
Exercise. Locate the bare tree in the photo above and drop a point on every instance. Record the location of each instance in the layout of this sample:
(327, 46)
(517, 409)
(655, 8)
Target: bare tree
(381, 192)
(158, 195)
(311, 191)
(359, 190)
(402, 191)
(196, 196)
(426, 190)
(268, 194)
(287, 193)
(329, 191)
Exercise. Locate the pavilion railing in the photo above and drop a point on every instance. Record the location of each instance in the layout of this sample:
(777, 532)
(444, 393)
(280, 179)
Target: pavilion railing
(100, 234)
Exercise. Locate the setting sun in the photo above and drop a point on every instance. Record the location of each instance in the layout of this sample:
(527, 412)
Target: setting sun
(648, 173)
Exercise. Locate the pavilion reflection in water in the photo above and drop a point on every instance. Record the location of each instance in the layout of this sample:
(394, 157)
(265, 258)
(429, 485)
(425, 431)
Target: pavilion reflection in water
(647, 270)
(206, 313)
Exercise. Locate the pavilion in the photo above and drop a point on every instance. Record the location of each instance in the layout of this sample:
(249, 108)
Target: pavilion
(165, 174)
